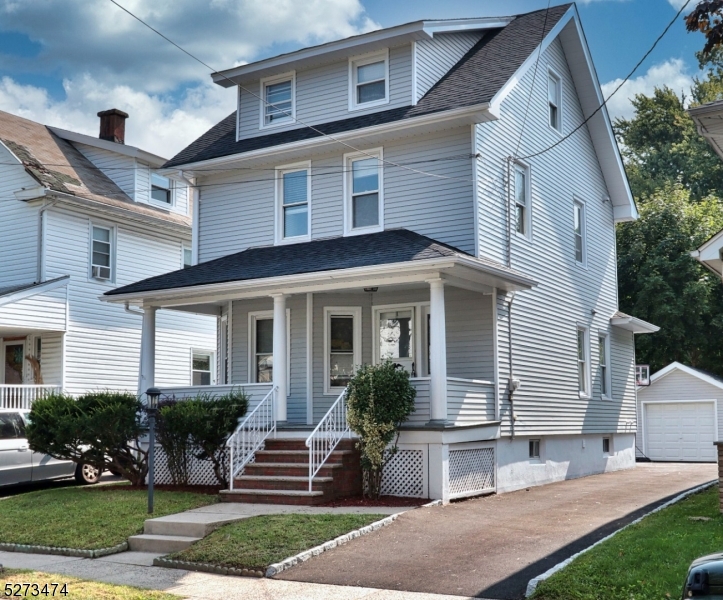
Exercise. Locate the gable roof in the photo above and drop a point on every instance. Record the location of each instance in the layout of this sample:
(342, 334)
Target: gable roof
(13, 293)
(59, 167)
(474, 80)
(710, 378)
(392, 246)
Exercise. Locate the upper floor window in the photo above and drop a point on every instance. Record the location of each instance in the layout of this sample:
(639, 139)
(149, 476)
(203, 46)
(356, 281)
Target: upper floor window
(161, 189)
(277, 105)
(554, 100)
(604, 365)
(583, 362)
(293, 192)
(369, 80)
(187, 257)
(522, 200)
(101, 253)
(578, 212)
(364, 195)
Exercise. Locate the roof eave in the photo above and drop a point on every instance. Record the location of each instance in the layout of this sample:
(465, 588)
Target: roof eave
(34, 289)
(634, 324)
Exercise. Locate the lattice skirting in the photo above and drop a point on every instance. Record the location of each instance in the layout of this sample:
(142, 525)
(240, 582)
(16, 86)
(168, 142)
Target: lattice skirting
(200, 472)
(404, 474)
(471, 471)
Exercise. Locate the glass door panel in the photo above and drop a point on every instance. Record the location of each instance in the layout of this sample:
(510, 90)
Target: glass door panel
(396, 338)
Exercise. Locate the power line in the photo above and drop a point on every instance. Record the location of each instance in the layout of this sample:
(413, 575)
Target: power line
(604, 103)
(287, 113)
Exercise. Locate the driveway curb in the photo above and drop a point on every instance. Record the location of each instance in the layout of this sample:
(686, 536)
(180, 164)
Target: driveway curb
(533, 583)
(32, 549)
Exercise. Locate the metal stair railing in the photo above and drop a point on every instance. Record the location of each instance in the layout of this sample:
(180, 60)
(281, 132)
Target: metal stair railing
(326, 436)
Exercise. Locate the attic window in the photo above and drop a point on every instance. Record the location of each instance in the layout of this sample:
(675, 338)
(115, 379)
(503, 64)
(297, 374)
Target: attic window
(160, 189)
(369, 80)
(554, 100)
(277, 106)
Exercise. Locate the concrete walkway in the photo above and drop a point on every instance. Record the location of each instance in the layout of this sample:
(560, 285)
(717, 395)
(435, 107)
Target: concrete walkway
(491, 547)
(130, 568)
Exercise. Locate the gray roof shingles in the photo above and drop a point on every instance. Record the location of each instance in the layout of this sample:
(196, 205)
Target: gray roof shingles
(475, 79)
(386, 247)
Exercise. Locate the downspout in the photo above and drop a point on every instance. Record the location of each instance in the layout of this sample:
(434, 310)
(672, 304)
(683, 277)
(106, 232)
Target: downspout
(513, 384)
(41, 240)
(131, 311)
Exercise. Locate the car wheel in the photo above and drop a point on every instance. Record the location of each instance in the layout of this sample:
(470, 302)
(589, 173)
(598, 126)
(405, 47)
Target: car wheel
(87, 474)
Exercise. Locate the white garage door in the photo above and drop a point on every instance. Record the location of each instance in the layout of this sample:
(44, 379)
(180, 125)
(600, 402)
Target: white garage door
(683, 431)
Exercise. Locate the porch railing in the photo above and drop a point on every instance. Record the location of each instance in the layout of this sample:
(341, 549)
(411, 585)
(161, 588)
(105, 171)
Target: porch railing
(251, 434)
(326, 436)
(21, 397)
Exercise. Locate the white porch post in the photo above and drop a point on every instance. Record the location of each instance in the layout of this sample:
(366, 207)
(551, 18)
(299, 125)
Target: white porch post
(280, 353)
(146, 376)
(438, 352)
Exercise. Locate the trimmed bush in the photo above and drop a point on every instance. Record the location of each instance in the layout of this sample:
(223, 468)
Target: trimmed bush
(379, 399)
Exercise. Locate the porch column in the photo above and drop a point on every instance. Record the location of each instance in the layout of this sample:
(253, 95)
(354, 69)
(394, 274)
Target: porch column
(146, 375)
(437, 352)
(280, 353)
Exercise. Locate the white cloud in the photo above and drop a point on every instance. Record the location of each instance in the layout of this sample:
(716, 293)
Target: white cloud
(107, 59)
(671, 73)
(677, 4)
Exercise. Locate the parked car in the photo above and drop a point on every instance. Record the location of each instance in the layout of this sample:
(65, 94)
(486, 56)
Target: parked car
(19, 464)
(705, 578)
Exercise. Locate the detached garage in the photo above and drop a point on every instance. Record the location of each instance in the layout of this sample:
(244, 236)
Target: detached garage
(678, 415)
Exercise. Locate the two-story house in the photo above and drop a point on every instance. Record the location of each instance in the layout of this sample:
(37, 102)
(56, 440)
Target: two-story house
(80, 216)
(443, 194)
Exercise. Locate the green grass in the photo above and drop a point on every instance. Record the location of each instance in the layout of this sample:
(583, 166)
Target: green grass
(647, 561)
(258, 542)
(86, 518)
(78, 589)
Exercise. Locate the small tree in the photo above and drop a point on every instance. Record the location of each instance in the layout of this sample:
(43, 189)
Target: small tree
(379, 399)
(100, 428)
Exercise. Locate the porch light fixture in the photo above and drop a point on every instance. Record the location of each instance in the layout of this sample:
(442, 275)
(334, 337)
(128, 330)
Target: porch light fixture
(371, 289)
(152, 395)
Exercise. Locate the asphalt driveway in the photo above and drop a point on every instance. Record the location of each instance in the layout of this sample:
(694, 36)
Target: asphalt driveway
(491, 547)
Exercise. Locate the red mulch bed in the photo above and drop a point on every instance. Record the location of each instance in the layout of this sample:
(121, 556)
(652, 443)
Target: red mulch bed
(383, 501)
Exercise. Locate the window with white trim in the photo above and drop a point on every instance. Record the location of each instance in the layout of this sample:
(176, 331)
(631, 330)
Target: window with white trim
(369, 80)
(522, 200)
(583, 362)
(554, 100)
(293, 194)
(578, 216)
(604, 365)
(101, 253)
(187, 257)
(342, 347)
(364, 194)
(261, 346)
(161, 189)
(277, 106)
(201, 368)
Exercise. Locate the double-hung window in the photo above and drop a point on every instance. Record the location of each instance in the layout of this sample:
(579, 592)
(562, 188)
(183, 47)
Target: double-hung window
(583, 362)
(342, 346)
(604, 365)
(364, 195)
(293, 192)
(187, 257)
(277, 104)
(369, 80)
(522, 200)
(261, 346)
(201, 368)
(161, 189)
(101, 254)
(578, 219)
(554, 101)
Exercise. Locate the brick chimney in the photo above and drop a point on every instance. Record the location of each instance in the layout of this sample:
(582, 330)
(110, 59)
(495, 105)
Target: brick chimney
(113, 125)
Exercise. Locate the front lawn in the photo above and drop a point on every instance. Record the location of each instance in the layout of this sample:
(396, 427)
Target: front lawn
(258, 542)
(647, 561)
(77, 589)
(86, 518)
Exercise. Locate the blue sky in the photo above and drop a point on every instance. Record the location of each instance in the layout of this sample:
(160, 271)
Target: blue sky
(61, 62)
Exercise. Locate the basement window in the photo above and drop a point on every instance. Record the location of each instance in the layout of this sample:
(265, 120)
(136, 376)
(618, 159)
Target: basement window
(535, 449)
(606, 445)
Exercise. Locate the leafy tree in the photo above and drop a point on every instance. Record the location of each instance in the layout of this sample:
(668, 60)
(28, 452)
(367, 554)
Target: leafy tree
(379, 399)
(660, 282)
(707, 17)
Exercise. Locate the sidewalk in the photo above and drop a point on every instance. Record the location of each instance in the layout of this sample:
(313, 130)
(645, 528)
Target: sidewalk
(130, 568)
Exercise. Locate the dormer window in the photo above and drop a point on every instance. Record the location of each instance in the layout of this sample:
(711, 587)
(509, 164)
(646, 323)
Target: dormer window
(369, 80)
(277, 106)
(161, 189)
(554, 101)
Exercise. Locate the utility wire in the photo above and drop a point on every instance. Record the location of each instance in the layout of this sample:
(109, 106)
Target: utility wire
(316, 130)
(623, 82)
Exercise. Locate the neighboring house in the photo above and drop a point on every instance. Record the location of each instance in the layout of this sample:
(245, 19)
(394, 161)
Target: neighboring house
(80, 216)
(679, 415)
(397, 227)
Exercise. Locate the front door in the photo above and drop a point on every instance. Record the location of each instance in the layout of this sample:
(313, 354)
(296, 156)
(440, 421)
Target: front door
(396, 338)
(13, 356)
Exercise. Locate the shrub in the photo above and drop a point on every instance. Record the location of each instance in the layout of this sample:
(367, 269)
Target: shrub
(379, 399)
(99, 428)
(172, 434)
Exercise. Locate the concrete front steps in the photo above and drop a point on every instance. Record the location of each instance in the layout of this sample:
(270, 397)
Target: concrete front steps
(280, 475)
(174, 533)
